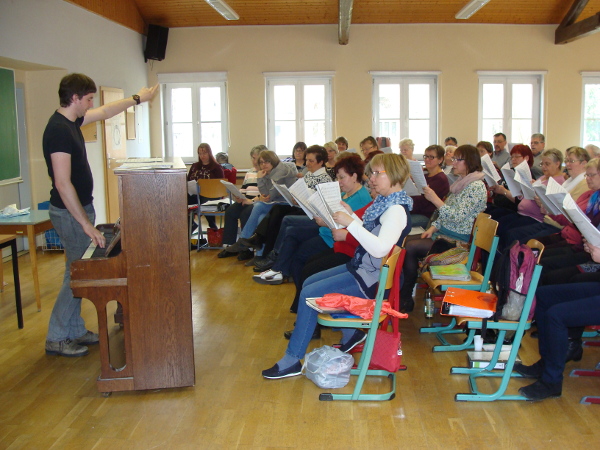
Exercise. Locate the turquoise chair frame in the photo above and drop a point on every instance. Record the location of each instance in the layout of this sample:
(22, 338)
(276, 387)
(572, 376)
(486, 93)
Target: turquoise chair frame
(386, 282)
(482, 287)
(505, 375)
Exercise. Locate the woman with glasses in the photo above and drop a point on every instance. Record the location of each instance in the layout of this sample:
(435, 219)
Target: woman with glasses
(454, 223)
(407, 148)
(436, 180)
(383, 225)
(528, 212)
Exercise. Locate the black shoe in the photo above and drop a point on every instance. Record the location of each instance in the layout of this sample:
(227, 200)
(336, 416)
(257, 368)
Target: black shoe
(316, 334)
(274, 373)
(534, 334)
(245, 255)
(237, 247)
(407, 306)
(533, 371)
(266, 264)
(575, 350)
(254, 241)
(193, 247)
(258, 260)
(225, 254)
(250, 262)
(541, 391)
(358, 337)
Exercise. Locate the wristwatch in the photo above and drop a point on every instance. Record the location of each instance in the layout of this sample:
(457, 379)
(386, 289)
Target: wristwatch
(136, 98)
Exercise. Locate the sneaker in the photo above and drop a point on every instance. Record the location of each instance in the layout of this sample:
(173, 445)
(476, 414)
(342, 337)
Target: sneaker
(541, 390)
(269, 277)
(533, 371)
(89, 338)
(358, 337)
(274, 373)
(66, 347)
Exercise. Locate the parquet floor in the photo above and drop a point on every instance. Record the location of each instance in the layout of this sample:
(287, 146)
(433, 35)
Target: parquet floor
(52, 402)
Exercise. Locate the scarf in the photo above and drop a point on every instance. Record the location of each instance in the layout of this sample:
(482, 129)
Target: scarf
(463, 182)
(593, 206)
(381, 204)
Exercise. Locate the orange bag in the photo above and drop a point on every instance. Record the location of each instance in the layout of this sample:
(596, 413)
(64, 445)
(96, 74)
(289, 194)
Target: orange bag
(362, 307)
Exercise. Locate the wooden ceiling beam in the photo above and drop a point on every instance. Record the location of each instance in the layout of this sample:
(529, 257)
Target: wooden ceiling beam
(569, 30)
(344, 20)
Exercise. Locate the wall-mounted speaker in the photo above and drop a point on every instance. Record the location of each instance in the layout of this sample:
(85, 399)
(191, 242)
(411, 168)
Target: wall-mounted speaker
(156, 43)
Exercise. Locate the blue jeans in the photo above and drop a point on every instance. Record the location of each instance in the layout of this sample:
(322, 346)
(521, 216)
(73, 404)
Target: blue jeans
(235, 212)
(296, 250)
(259, 211)
(336, 280)
(558, 308)
(66, 321)
(294, 221)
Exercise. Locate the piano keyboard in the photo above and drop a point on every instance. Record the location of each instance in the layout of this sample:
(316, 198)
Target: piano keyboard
(93, 251)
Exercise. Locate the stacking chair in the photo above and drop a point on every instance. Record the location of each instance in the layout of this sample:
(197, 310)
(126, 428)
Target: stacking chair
(484, 238)
(386, 281)
(588, 399)
(209, 188)
(502, 326)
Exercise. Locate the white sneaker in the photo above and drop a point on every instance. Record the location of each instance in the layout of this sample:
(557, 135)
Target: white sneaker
(269, 277)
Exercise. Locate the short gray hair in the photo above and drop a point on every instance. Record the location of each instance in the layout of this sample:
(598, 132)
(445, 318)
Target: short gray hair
(539, 136)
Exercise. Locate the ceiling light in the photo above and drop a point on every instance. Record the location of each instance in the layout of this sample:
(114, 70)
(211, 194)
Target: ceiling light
(224, 9)
(471, 8)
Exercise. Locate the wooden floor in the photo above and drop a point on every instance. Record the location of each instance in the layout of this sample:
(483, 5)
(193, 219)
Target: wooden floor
(52, 402)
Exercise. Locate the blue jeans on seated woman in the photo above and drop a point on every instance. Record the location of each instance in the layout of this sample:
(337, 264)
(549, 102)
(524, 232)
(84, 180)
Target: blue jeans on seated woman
(336, 280)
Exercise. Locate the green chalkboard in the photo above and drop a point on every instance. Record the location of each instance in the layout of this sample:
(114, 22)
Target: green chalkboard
(9, 141)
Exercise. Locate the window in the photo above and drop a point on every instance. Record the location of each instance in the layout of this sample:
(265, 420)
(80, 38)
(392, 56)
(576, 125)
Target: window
(510, 103)
(195, 111)
(299, 108)
(405, 105)
(590, 129)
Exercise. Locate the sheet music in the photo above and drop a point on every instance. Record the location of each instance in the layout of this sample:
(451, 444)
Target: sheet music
(557, 194)
(410, 188)
(523, 176)
(509, 176)
(139, 160)
(540, 190)
(331, 194)
(192, 187)
(285, 193)
(232, 188)
(320, 210)
(301, 193)
(418, 177)
(144, 166)
(489, 170)
(583, 223)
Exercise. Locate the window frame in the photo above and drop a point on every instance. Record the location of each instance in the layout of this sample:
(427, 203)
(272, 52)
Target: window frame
(299, 80)
(510, 78)
(195, 81)
(587, 78)
(405, 79)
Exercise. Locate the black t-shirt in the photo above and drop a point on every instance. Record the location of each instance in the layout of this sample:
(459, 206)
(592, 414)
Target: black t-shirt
(63, 136)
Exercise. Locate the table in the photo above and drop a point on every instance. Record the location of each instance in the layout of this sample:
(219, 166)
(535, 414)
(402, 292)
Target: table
(29, 225)
(5, 241)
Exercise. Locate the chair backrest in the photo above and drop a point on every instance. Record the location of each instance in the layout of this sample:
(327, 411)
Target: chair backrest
(212, 188)
(391, 261)
(484, 238)
(534, 244)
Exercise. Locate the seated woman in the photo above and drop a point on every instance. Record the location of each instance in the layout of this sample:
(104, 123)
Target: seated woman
(528, 211)
(436, 180)
(332, 154)
(267, 231)
(299, 242)
(369, 148)
(381, 228)
(206, 168)
(298, 155)
(561, 313)
(456, 217)
(241, 209)
(407, 148)
(272, 170)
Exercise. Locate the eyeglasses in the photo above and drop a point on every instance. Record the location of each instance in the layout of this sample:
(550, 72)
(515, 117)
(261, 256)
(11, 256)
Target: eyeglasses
(428, 157)
(590, 175)
(573, 161)
(546, 164)
(376, 173)
(457, 159)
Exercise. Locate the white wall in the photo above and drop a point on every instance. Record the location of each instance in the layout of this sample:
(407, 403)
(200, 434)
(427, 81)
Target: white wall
(457, 50)
(63, 36)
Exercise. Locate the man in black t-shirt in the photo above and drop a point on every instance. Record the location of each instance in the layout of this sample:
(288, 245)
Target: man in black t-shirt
(71, 208)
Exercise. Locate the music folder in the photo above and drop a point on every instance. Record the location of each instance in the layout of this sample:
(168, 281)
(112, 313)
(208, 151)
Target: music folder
(462, 302)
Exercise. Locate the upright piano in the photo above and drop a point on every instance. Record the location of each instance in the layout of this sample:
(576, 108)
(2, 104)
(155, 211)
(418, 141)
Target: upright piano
(150, 279)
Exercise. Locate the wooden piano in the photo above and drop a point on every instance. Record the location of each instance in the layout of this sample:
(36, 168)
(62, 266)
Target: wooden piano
(150, 279)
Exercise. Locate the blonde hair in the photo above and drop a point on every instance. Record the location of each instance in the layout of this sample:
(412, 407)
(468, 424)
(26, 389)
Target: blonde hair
(395, 167)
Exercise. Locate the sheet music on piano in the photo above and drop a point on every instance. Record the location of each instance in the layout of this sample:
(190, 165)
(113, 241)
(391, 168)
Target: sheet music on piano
(112, 234)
